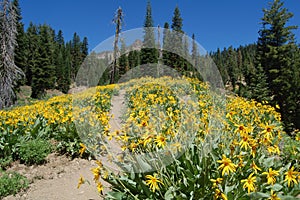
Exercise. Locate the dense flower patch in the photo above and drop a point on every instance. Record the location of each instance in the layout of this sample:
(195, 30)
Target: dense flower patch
(202, 145)
(238, 150)
(51, 119)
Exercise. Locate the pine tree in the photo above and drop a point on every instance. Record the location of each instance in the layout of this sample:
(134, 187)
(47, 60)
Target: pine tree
(175, 58)
(76, 55)
(62, 63)
(133, 59)
(67, 68)
(9, 72)
(43, 73)
(149, 54)
(166, 53)
(276, 53)
(231, 65)
(32, 49)
(219, 59)
(84, 48)
(258, 87)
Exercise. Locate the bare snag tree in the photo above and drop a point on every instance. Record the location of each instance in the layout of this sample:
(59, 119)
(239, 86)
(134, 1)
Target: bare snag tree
(9, 72)
(118, 20)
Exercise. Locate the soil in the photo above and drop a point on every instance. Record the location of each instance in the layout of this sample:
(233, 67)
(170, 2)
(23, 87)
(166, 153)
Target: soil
(58, 177)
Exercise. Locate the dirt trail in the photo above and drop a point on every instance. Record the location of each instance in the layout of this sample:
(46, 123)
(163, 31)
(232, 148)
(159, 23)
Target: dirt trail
(58, 178)
(117, 107)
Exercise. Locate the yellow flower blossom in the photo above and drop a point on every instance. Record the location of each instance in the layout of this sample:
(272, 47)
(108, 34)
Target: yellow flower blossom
(160, 141)
(80, 182)
(254, 145)
(216, 182)
(249, 183)
(273, 196)
(83, 148)
(133, 146)
(226, 166)
(99, 163)
(219, 194)
(96, 173)
(153, 182)
(254, 167)
(100, 187)
(244, 143)
(274, 149)
(290, 176)
(271, 174)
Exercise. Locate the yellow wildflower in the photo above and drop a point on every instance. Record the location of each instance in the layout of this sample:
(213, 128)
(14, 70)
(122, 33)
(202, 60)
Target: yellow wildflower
(216, 182)
(290, 176)
(147, 139)
(80, 182)
(274, 149)
(219, 194)
(271, 174)
(226, 165)
(254, 145)
(268, 129)
(99, 163)
(273, 196)
(244, 143)
(153, 182)
(161, 141)
(96, 172)
(100, 187)
(83, 148)
(133, 146)
(255, 167)
(249, 183)
(240, 128)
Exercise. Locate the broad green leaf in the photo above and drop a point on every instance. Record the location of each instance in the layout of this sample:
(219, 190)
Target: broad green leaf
(257, 195)
(276, 187)
(115, 195)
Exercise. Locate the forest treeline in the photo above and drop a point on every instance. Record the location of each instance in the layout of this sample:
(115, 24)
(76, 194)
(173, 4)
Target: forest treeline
(47, 60)
(267, 70)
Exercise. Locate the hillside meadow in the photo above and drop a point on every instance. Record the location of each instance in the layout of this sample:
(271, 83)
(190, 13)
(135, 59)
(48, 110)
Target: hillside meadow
(197, 143)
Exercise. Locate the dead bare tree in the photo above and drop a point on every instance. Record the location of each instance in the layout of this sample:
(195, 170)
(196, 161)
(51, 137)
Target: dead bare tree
(118, 20)
(9, 72)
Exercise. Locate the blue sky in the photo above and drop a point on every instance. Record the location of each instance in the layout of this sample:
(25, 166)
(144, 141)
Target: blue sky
(215, 23)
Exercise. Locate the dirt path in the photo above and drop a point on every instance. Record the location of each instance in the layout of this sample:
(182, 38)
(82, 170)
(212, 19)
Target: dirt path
(58, 178)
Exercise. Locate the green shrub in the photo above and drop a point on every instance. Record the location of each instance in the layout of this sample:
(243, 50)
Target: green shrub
(12, 183)
(5, 162)
(34, 151)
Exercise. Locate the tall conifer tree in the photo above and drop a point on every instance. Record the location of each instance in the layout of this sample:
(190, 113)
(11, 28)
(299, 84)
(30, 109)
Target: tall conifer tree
(176, 59)
(276, 54)
(43, 73)
(149, 54)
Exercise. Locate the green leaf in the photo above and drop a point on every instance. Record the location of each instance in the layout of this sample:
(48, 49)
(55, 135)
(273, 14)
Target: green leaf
(288, 197)
(143, 164)
(268, 162)
(276, 187)
(115, 195)
(228, 189)
(257, 195)
(169, 193)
